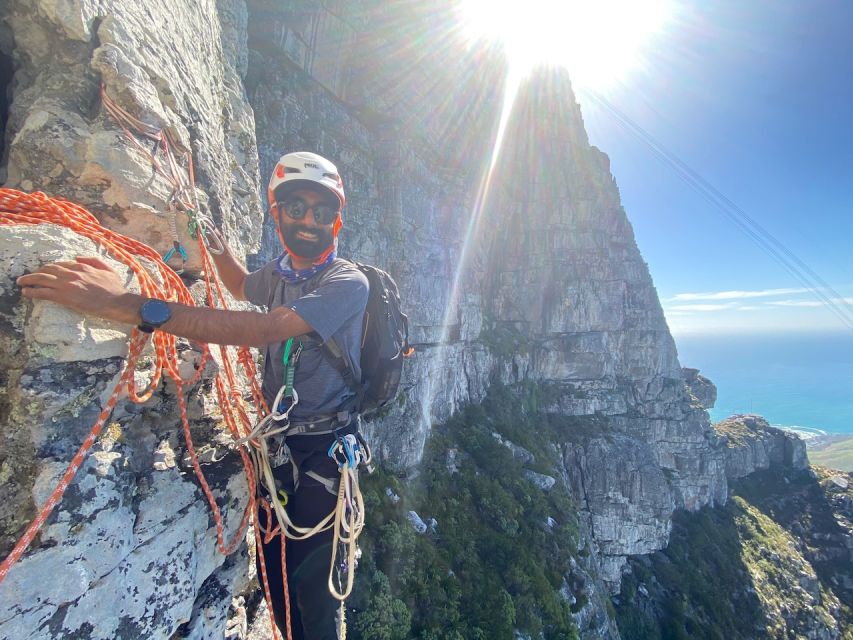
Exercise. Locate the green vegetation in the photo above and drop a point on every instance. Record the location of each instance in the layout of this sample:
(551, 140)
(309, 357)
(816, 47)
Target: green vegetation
(699, 583)
(751, 569)
(835, 455)
(491, 565)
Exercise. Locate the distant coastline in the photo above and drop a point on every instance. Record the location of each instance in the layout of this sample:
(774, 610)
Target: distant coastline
(816, 439)
(798, 381)
(833, 450)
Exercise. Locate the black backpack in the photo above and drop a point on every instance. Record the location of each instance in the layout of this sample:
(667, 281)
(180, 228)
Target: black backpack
(384, 344)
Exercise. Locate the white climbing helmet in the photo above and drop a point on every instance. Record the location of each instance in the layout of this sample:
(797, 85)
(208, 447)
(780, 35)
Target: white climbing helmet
(303, 169)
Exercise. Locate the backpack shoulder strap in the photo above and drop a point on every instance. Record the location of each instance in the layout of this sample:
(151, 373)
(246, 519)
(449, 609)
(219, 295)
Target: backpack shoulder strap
(333, 352)
(339, 360)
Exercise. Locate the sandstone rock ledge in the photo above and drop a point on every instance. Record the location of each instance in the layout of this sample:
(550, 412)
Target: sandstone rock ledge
(752, 445)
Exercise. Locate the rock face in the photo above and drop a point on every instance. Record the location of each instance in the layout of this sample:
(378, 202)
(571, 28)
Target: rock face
(702, 389)
(539, 282)
(131, 550)
(775, 562)
(752, 445)
(173, 66)
(133, 534)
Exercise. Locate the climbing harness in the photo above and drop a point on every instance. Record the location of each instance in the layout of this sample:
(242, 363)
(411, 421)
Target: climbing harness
(349, 452)
(346, 520)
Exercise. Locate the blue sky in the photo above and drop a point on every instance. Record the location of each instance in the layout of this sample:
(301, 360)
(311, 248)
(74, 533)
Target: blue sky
(757, 97)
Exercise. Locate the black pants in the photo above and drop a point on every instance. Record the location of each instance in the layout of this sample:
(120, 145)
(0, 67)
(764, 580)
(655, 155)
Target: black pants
(313, 610)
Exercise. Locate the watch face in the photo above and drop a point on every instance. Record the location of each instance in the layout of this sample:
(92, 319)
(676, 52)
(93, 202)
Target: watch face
(155, 312)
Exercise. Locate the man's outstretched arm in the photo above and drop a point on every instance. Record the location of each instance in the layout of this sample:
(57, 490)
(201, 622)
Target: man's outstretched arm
(231, 271)
(90, 286)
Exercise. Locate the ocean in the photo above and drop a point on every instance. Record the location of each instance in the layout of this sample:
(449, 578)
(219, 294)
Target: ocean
(797, 381)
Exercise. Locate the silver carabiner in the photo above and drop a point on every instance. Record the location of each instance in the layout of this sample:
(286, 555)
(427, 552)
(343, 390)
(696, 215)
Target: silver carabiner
(278, 417)
(207, 234)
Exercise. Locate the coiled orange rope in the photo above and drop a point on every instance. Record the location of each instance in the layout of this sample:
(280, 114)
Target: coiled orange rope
(19, 208)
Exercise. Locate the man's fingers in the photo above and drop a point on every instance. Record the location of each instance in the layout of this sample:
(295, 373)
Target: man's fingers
(71, 265)
(37, 279)
(94, 261)
(54, 268)
(40, 293)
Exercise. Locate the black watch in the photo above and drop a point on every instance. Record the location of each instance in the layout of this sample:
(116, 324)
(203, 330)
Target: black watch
(154, 314)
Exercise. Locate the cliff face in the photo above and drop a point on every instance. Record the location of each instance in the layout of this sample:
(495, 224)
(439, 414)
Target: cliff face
(702, 389)
(174, 67)
(753, 445)
(774, 562)
(546, 287)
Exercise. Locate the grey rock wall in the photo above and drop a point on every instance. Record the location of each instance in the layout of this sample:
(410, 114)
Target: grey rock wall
(130, 552)
(702, 389)
(751, 444)
(172, 65)
(566, 278)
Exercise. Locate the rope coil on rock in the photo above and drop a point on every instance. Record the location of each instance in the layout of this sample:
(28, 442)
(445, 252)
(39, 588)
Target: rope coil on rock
(19, 208)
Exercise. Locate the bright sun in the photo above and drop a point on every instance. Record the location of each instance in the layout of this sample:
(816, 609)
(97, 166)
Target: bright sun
(597, 40)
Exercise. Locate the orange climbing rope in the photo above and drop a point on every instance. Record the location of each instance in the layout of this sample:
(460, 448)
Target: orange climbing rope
(19, 208)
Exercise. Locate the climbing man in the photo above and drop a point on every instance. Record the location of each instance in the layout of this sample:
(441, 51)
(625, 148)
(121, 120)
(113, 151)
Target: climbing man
(313, 299)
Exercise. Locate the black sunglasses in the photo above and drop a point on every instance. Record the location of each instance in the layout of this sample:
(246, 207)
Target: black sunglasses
(297, 208)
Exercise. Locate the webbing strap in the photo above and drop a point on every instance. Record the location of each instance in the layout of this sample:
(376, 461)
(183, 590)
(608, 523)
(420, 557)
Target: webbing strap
(331, 484)
(335, 355)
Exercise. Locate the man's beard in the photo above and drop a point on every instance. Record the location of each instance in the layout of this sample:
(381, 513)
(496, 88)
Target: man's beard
(302, 247)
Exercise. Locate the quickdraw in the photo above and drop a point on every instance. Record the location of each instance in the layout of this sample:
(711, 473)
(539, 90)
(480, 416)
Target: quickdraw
(289, 358)
(200, 222)
(285, 401)
(349, 452)
(184, 197)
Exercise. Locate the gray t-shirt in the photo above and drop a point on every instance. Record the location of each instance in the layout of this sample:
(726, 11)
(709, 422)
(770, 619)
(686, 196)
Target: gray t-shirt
(333, 303)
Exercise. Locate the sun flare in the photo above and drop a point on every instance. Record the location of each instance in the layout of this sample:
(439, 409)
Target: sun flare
(597, 40)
